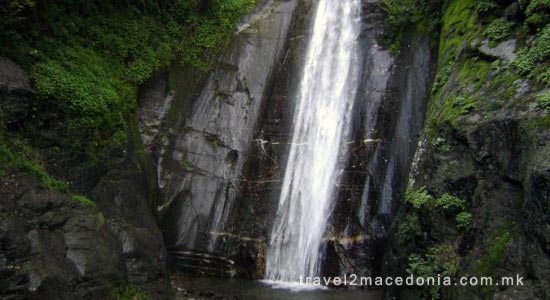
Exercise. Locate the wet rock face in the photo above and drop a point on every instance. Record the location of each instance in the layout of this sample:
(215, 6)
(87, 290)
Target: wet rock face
(221, 140)
(202, 142)
(391, 98)
(389, 117)
(52, 246)
(15, 94)
(50, 242)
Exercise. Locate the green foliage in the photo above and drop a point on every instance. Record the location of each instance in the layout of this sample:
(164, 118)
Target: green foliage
(83, 200)
(499, 29)
(91, 101)
(542, 101)
(459, 27)
(425, 203)
(537, 7)
(86, 66)
(213, 29)
(539, 52)
(544, 78)
(442, 76)
(495, 250)
(455, 107)
(485, 7)
(463, 220)
(450, 202)
(409, 229)
(12, 10)
(440, 259)
(17, 160)
(419, 197)
(100, 220)
(130, 292)
(402, 16)
(420, 266)
(187, 166)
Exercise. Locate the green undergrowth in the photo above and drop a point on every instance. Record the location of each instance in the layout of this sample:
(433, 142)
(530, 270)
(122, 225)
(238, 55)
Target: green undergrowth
(459, 26)
(440, 259)
(406, 16)
(533, 60)
(16, 155)
(87, 59)
(24, 159)
(130, 292)
(432, 255)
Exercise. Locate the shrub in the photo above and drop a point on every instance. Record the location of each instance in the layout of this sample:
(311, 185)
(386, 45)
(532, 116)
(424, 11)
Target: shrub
(440, 259)
(450, 202)
(463, 220)
(542, 101)
(419, 197)
(537, 6)
(486, 6)
(409, 229)
(499, 29)
(130, 292)
(86, 66)
(537, 53)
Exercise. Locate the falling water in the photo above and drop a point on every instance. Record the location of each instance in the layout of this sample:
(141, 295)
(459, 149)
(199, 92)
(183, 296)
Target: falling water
(317, 155)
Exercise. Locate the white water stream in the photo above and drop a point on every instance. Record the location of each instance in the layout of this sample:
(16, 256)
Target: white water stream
(317, 155)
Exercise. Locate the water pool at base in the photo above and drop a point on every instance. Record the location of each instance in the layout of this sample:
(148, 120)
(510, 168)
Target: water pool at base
(242, 289)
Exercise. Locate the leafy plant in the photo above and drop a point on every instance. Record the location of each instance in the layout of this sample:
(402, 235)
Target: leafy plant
(130, 292)
(486, 6)
(499, 29)
(537, 6)
(442, 76)
(419, 197)
(537, 53)
(463, 220)
(542, 101)
(86, 67)
(440, 259)
(186, 165)
(450, 202)
(409, 229)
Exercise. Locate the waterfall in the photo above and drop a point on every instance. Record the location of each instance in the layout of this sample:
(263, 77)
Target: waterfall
(318, 152)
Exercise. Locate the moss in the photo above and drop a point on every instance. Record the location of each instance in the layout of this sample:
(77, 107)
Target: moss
(455, 107)
(100, 220)
(83, 200)
(442, 76)
(537, 123)
(473, 72)
(459, 26)
(187, 166)
(18, 157)
(495, 249)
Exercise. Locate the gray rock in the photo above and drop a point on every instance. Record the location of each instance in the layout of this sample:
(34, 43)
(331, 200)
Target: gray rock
(505, 50)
